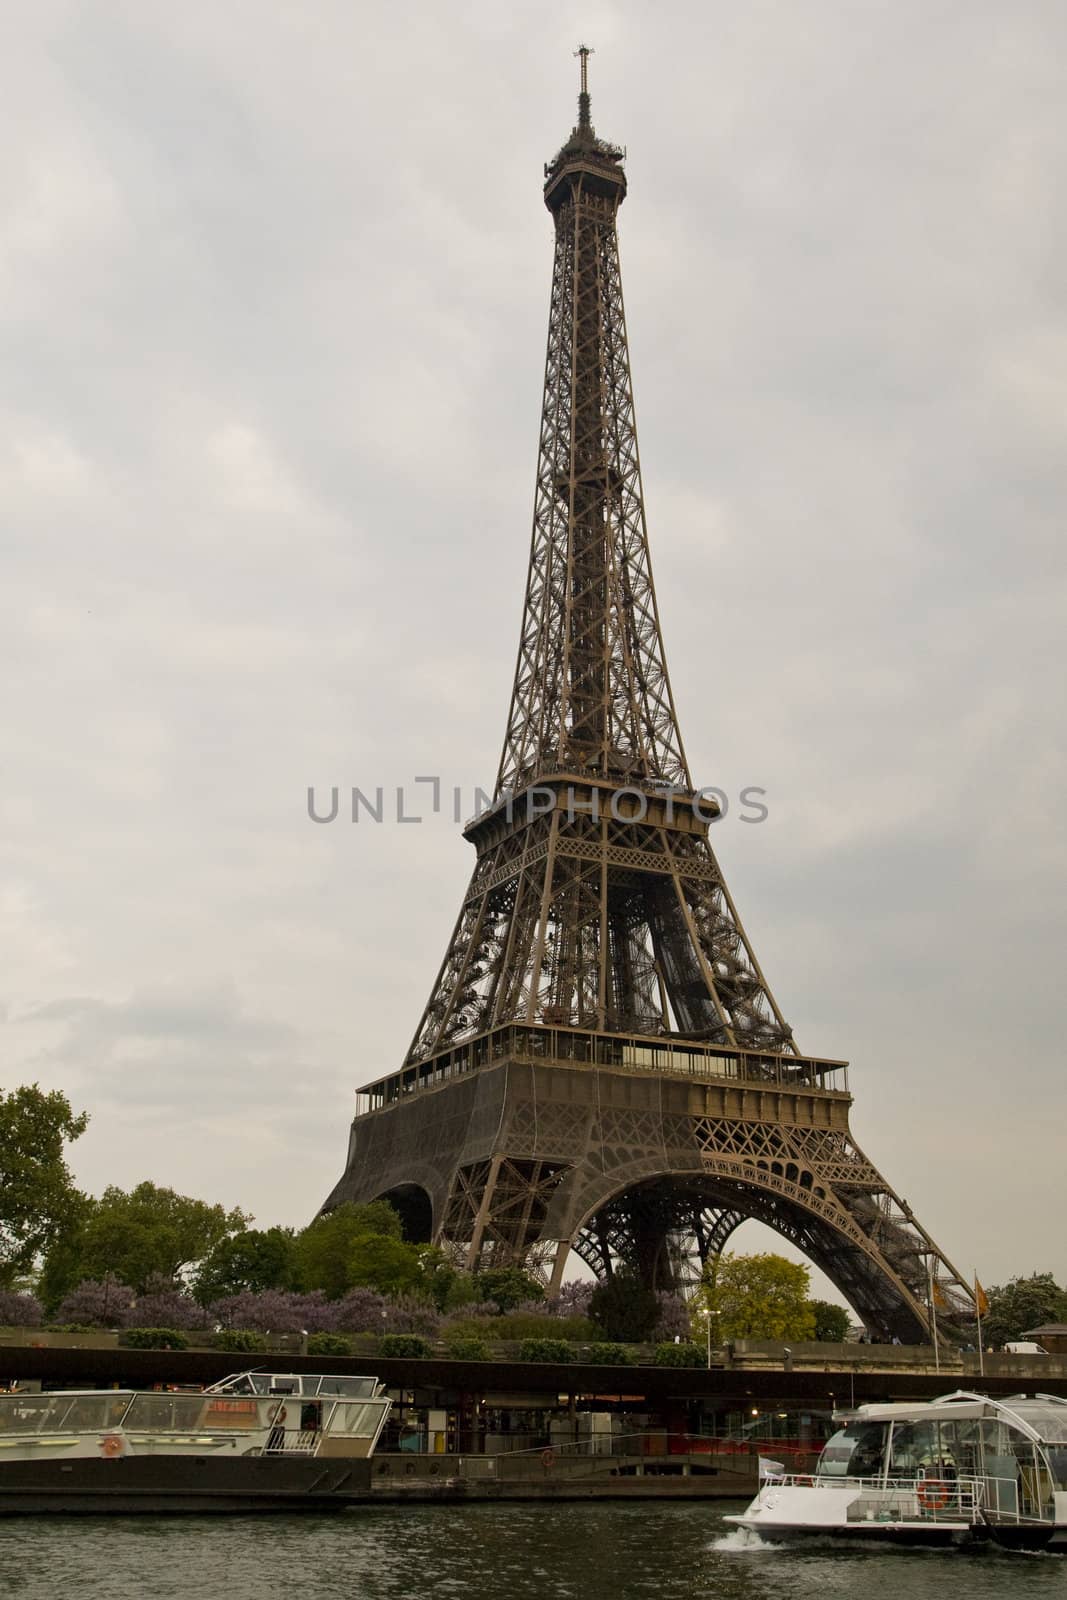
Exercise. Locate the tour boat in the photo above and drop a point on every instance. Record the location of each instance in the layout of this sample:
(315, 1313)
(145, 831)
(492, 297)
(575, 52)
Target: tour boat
(256, 1441)
(959, 1470)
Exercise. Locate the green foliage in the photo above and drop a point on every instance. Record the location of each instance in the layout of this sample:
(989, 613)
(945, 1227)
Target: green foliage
(463, 1347)
(239, 1340)
(623, 1310)
(246, 1263)
(831, 1322)
(678, 1355)
(1021, 1304)
(557, 1351)
(146, 1234)
(445, 1285)
(155, 1339)
(357, 1247)
(507, 1287)
(38, 1200)
(761, 1296)
(610, 1355)
(405, 1347)
(328, 1344)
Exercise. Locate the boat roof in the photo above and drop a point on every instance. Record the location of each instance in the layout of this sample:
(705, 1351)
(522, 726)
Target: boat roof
(330, 1385)
(1042, 1416)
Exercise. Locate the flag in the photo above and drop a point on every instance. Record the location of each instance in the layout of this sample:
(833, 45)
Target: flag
(939, 1298)
(981, 1299)
(770, 1469)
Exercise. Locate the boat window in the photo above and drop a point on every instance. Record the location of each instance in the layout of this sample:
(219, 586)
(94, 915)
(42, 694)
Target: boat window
(349, 1388)
(855, 1452)
(359, 1419)
(918, 1447)
(1057, 1460)
(167, 1413)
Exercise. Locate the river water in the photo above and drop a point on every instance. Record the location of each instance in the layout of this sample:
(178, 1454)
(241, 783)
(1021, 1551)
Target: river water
(554, 1552)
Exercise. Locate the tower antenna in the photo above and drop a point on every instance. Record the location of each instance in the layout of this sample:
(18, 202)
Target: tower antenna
(584, 51)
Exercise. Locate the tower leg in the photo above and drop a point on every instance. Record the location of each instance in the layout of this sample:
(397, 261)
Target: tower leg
(563, 1250)
(482, 1217)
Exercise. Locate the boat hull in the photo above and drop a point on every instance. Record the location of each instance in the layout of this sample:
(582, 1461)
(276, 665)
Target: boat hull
(941, 1537)
(153, 1485)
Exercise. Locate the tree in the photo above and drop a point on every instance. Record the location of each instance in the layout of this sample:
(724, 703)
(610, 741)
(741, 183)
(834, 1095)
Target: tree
(1021, 1304)
(761, 1296)
(357, 1247)
(146, 1234)
(831, 1322)
(96, 1303)
(623, 1309)
(247, 1263)
(38, 1200)
(507, 1287)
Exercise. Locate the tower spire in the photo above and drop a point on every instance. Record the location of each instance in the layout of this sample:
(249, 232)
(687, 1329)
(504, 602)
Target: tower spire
(584, 123)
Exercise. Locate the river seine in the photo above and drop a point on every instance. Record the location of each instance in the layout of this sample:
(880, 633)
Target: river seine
(561, 1552)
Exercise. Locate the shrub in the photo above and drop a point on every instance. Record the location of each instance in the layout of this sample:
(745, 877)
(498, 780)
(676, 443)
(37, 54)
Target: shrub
(610, 1355)
(240, 1339)
(20, 1310)
(678, 1355)
(155, 1339)
(462, 1348)
(527, 1325)
(555, 1350)
(405, 1346)
(328, 1344)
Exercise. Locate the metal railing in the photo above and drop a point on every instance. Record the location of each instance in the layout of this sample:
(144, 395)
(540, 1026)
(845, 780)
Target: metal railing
(637, 1053)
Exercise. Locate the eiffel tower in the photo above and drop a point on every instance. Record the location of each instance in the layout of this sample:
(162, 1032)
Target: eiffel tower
(601, 1066)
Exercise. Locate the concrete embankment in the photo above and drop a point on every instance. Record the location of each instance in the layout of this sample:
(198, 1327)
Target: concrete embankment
(551, 1475)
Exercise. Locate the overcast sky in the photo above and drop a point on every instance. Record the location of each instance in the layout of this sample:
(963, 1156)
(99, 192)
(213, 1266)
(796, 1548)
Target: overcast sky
(273, 297)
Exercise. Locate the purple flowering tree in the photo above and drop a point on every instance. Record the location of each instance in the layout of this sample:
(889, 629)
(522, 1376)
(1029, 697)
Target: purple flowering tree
(406, 1314)
(271, 1311)
(97, 1303)
(673, 1317)
(20, 1310)
(573, 1298)
(165, 1304)
(360, 1311)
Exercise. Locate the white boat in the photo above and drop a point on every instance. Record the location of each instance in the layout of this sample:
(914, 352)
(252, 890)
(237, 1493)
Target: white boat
(257, 1441)
(959, 1470)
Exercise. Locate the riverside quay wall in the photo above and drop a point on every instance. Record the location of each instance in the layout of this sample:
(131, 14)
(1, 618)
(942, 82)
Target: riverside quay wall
(503, 1430)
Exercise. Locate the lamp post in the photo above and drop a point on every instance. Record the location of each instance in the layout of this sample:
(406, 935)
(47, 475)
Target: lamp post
(707, 1329)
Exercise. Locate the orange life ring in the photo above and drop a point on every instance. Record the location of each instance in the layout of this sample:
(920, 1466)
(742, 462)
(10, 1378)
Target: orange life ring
(802, 1481)
(934, 1494)
(111, 1445)
(276, 1414)
(548, 1457)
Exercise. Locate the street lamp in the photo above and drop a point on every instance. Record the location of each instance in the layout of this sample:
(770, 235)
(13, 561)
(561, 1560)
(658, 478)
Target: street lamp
(706, 1314)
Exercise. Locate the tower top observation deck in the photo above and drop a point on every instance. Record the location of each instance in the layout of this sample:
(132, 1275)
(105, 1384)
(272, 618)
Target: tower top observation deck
(585, 162)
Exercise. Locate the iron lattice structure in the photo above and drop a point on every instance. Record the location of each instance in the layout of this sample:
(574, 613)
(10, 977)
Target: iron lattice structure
(601, 1064)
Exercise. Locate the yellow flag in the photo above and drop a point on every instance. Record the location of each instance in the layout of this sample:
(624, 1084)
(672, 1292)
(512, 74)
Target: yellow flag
(939, 1299)
(981, 1299)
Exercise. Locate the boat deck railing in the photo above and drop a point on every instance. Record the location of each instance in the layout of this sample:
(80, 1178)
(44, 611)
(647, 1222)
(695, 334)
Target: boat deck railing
(967, 1498)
